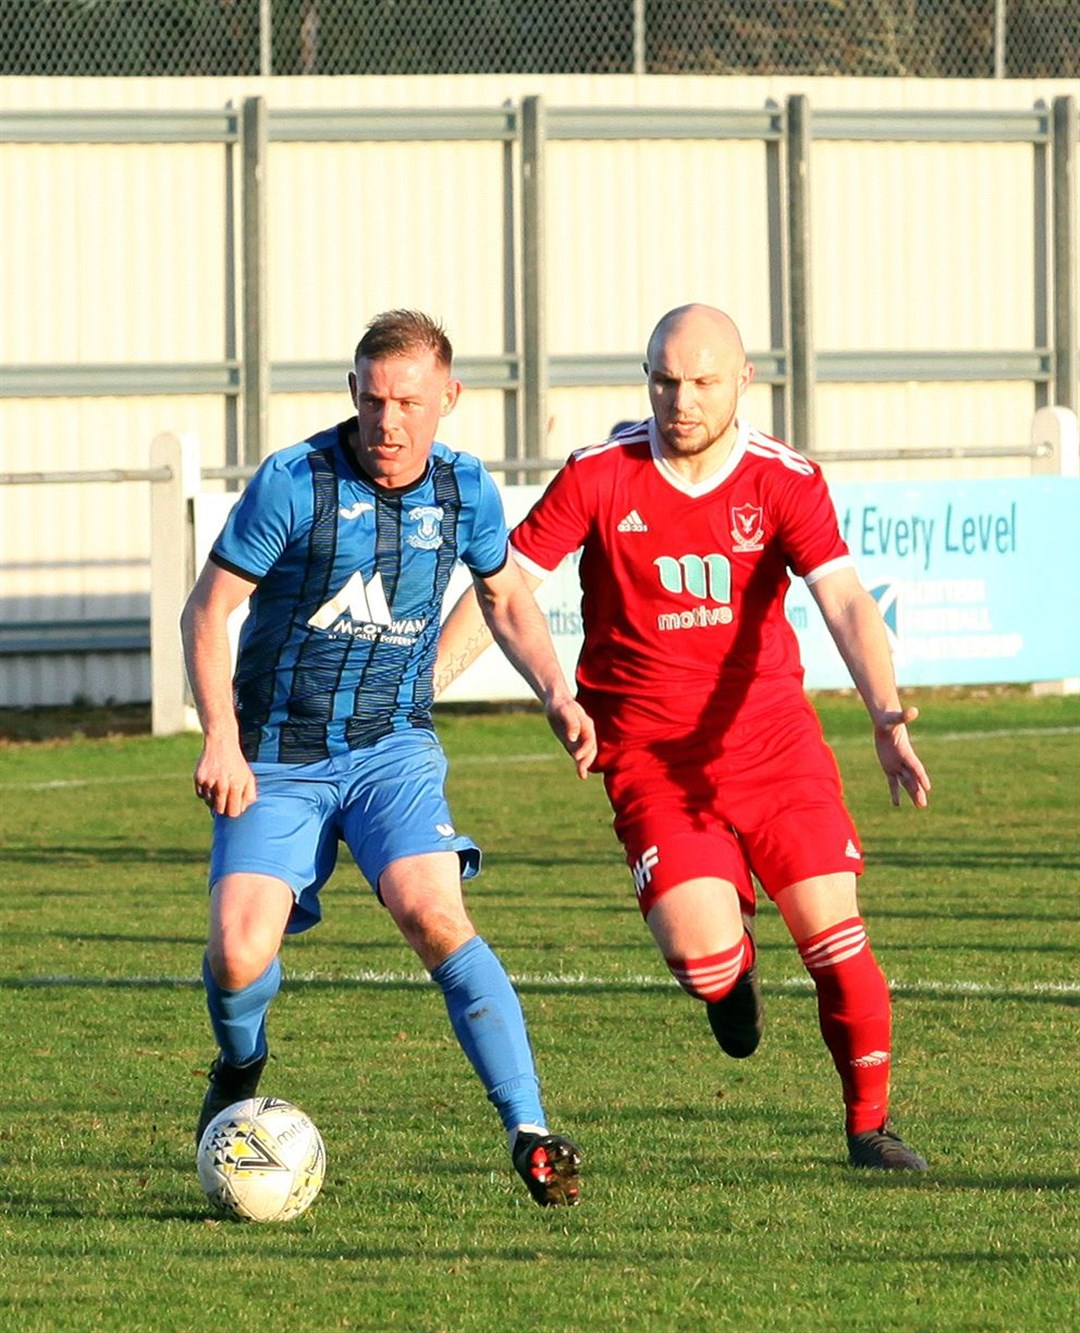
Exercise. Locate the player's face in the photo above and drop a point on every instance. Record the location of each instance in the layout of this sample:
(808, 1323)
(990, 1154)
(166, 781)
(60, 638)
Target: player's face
(399, 401)
(695, 380)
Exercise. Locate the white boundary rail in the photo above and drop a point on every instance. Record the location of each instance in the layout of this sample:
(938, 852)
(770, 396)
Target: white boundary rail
(1054, 451)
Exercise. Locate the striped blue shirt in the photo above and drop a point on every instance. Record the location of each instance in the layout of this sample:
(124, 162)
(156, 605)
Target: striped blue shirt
(339, 643)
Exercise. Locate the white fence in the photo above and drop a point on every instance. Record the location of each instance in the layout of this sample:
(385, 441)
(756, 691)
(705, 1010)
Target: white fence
(918, 295)
(186, 519)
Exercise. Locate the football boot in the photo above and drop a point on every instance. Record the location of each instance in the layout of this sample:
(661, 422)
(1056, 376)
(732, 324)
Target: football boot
(883, 1150)
(549, 1166)
(738, 1020)
(228, 1084)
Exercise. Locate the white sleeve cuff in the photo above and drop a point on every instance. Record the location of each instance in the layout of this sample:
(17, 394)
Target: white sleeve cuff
(537, 571)
(829, 567)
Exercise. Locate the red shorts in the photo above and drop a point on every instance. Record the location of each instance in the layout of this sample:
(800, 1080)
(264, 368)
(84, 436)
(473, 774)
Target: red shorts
(764, 800)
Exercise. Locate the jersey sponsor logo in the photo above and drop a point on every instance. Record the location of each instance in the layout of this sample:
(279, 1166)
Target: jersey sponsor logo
(360, 611)
(701, 617)
(707, 577)
(356, 510)
(704, 576)
(428, 536)
(747, 527)
(643, 867)
(633, 522)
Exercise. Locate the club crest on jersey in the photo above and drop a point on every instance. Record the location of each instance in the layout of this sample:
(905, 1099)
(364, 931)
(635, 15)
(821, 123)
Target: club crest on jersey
(747, 527)
(427, 536)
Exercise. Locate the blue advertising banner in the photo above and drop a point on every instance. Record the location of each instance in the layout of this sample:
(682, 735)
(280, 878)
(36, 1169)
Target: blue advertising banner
(978, 582)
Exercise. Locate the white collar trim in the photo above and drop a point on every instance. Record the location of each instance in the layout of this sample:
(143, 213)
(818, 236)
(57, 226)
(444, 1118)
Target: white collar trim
(697, 488)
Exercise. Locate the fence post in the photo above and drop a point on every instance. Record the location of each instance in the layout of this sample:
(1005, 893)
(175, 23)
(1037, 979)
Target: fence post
(266, 41)
(171, 576)
(534, 368)
(255, 367)
(800, 297)
(999, 38)
(1058, 429)
(640, 45)
(1066, 301)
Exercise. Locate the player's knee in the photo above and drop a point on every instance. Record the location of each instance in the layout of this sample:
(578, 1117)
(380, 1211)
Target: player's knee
(236, 963)
(434, 933)
(828, 949)
(707, 979)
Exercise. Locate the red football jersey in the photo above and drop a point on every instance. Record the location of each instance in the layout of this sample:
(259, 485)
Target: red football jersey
(684, 584)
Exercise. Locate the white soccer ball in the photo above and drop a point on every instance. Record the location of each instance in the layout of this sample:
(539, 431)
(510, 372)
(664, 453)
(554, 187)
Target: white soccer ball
(261, 1160)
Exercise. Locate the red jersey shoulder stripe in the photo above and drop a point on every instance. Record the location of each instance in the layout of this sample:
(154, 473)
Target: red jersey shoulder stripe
(765, 446)
(639, 435)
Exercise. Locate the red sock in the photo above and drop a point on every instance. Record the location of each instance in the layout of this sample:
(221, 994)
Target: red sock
(713, 977)
(854, 1010)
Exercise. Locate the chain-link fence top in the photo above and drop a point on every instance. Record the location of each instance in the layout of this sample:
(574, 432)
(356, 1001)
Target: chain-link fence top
(871, 38)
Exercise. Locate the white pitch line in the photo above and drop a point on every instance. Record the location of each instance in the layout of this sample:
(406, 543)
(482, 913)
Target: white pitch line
(60, 783)
(553, 981)
(541, 757)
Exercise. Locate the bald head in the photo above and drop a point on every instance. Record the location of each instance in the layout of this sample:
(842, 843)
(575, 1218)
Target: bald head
(703, 326)
(697, 370)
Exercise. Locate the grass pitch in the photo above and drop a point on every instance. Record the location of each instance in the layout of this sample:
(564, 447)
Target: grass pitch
(716, 1193)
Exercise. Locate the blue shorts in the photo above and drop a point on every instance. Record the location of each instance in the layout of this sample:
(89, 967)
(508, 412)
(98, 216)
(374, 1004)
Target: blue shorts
(384, 802)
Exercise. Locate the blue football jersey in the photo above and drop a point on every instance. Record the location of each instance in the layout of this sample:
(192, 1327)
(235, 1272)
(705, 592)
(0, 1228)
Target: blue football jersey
(339, 643)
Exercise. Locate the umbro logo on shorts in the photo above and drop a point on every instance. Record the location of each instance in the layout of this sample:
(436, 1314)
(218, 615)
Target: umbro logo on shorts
(852, 851)
(642, 868)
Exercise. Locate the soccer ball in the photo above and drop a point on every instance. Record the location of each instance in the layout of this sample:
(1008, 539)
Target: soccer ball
(261, 1160)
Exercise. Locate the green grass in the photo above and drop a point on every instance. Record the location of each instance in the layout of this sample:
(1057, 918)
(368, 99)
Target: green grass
(716, 1193)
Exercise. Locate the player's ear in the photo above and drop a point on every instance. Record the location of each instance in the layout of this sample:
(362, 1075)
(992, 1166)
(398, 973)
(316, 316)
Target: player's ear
(354, 388)
(450, 395)
(746, 377)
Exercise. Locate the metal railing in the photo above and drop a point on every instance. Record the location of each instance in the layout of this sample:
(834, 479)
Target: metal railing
(176, 476)
(792, 365)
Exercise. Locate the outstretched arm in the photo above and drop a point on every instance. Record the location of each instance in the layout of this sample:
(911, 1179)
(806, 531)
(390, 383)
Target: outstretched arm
(463, 637)
(859, 634)
(223, 777)
(502, 608)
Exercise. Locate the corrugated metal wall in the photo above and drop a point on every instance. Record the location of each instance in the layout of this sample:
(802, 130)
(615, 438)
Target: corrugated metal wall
(119, 253)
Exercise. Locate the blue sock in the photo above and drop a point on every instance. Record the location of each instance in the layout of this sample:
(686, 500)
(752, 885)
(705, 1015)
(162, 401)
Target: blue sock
(487, 1020)
(238, 1017)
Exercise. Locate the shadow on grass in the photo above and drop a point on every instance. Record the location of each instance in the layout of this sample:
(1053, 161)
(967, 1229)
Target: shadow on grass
(747, 1174)
(195, 941)
(953, 912)
(113, 937)
(941, 1180)
(551, 859)
(957, 857)
(114, 853)
(966, 946)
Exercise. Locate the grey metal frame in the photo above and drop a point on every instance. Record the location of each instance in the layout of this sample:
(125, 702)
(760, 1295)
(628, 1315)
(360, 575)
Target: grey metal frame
(525, 371)
(792, 364)
(175, 476)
